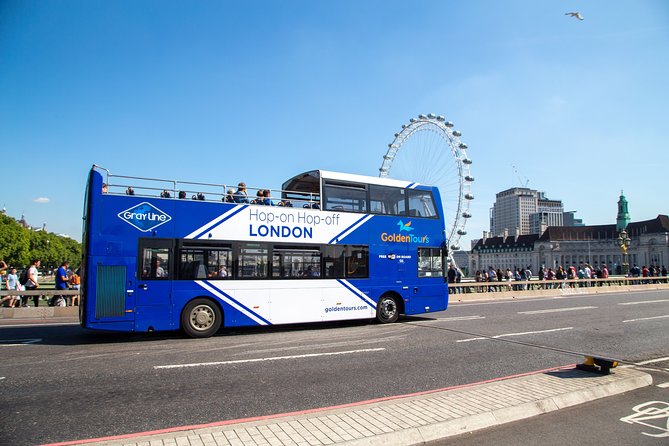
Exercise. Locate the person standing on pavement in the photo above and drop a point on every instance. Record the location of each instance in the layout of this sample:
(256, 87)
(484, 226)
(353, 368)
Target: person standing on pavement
(61, 284)
(33, 279)
(12, 283)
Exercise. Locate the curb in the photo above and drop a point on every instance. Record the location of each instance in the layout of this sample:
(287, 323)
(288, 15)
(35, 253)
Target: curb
(39, 312)
(405, 420)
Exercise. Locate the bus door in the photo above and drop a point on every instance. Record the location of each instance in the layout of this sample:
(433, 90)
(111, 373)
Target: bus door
(153, 296)
(429, 288)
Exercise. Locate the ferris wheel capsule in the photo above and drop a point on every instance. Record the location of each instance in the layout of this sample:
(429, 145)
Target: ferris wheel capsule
(412, 120)
(462, 232)
(455, 247)
(462, 144)
(466, 161)
(456, 133)
(431, 115)
(469, 178)
(469, 197)
(466, 215)
(441, 118)
(448, 124)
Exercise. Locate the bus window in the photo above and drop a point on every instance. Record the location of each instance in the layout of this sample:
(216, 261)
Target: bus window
(357, 262)
(421, 204)
(430, 262)
(386, 200)
(334, 262)
(155, 263)
(219, 263)
(296, 263)
(253, 261)
(205, 263)
(349, 198)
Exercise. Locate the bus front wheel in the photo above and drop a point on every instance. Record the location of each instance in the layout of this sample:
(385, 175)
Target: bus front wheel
(388, 309)
(201, 318)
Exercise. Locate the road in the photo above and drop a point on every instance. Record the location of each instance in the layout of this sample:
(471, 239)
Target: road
(62, 383)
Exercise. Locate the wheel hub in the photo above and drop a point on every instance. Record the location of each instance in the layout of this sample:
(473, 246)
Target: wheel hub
(202, 318)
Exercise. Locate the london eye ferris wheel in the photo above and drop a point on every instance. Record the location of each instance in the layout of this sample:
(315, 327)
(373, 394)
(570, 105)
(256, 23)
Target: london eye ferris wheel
(429, 151)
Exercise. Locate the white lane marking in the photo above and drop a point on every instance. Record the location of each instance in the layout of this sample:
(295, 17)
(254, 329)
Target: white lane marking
(516, 334)
(1, 378)
(644, 302)
(664, 385)
(274, 358)
(557, 310)
(18, 342)
(647, 318)
(651, 361)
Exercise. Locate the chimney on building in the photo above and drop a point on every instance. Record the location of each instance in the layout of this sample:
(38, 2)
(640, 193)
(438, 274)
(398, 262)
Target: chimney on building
(505, 233)
(485, 236)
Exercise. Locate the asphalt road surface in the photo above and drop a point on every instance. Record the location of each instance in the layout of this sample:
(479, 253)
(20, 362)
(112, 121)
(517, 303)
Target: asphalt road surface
(59, 382)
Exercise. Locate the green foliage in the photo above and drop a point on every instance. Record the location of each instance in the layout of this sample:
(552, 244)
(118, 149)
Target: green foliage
(19, 246)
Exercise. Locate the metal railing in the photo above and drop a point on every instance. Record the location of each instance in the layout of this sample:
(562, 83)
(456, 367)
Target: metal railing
(558, 284)
(211, 192)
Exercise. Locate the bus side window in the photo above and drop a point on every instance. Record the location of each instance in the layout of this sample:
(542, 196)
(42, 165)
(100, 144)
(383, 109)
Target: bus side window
(421, 204)
(430, 262)
(334, 262)
(357, 261)
(253, 261)
(155, 263)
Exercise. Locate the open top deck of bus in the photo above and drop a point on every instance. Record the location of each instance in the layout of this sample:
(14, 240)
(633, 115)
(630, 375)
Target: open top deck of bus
(303, 190)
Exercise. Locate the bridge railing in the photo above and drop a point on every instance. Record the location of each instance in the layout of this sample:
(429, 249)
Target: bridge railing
(565, 284)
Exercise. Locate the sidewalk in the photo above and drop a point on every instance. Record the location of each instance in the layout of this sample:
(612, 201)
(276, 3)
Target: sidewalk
(404, 420)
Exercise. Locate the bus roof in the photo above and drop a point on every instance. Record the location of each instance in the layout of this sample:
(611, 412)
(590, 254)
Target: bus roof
(309, 182)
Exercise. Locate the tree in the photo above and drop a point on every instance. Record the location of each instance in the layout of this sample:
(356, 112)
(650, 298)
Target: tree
(19, 246)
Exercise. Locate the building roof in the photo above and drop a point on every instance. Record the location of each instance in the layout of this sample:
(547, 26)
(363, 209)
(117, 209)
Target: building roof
(659, 224)
(510, 242)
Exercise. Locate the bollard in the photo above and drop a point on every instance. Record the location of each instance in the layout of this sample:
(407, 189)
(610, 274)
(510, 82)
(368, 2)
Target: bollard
(597, 365)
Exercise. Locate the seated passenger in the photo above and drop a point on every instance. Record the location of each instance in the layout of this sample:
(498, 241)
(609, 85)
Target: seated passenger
(230, 197)
(285, 203)
(259, 198)
(130, 191)
(267, 201)
(165, 194)
(241, 196)
(182, 195)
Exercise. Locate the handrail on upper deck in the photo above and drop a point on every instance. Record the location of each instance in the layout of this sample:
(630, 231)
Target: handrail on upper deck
(154, 188)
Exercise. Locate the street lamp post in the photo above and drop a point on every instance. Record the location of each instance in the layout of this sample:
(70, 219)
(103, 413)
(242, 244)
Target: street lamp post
(624, 243)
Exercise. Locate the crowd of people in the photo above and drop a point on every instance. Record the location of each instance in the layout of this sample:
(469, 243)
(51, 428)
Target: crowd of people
(562, 276)
(29, 280)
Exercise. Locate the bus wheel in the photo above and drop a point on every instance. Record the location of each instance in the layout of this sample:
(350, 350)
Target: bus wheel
(201, 318)
(387, 310)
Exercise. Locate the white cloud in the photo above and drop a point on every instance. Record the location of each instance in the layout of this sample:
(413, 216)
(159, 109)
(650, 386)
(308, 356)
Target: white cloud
(41, 200)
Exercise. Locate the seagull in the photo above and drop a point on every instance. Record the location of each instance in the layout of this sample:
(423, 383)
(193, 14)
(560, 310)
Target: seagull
(574, 14)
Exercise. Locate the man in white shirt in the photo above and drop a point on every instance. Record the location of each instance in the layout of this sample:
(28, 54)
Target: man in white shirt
(33, 280)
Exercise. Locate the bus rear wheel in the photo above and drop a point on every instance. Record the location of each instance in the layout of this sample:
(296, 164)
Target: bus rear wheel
(201, 318)
(387, 309)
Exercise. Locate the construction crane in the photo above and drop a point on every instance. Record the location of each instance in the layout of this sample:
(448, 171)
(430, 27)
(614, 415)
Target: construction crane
(520, 179)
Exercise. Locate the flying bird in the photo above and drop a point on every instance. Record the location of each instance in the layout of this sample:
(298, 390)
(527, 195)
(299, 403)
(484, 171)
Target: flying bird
(574, 14)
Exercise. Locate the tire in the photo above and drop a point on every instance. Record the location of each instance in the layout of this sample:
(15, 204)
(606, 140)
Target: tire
(201, 318)
(387, 309)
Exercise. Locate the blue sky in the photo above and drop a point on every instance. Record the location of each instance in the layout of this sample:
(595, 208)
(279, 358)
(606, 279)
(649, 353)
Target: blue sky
(221, 91)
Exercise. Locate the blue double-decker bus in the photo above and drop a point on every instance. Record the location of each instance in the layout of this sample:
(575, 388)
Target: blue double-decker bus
(169, 255)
